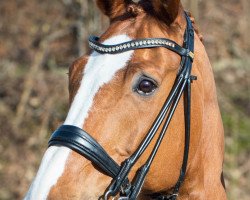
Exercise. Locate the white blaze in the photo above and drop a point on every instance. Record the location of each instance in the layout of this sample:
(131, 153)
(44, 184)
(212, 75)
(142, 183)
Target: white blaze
(50, 170)
(99, 70)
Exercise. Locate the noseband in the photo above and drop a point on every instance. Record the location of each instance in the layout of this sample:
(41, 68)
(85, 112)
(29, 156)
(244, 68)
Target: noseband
(81, 142)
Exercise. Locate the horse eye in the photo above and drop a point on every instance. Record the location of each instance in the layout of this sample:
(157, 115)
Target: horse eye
(146, 87)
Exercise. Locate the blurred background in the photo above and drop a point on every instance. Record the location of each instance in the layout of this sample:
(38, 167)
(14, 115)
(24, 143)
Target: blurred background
(40, 39)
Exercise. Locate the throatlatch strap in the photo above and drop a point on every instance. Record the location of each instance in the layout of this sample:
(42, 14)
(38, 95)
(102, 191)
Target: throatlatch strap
(81, 142)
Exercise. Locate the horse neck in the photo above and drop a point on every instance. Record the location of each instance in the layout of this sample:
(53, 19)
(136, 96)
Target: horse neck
(205, 168)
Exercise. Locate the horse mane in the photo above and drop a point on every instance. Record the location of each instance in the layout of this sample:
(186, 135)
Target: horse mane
(196, 28)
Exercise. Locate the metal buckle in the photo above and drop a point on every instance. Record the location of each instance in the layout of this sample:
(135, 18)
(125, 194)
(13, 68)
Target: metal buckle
(126, 189)
(190, 54)
(123, 198)
(173, 196)
(107, 194)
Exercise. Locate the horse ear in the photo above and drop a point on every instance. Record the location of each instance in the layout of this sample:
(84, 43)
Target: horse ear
(166, 10)
(112, 8)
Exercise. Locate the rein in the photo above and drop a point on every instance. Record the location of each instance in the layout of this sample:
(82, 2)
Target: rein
(81, 142)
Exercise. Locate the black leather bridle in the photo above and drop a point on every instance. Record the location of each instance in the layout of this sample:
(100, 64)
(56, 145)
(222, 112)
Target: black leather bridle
(81, 142)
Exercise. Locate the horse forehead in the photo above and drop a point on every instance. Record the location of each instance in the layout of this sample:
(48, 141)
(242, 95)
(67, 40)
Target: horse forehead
(107, 62)
(99, 70)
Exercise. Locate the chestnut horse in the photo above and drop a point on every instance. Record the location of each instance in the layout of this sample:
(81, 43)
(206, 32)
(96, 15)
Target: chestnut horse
(117, 97)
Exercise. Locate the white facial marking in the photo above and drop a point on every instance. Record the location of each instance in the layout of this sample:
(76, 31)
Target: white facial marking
(99, 70)
(50, 170)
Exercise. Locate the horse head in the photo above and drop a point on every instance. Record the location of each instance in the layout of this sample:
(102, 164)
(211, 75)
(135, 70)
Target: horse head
(115, 97)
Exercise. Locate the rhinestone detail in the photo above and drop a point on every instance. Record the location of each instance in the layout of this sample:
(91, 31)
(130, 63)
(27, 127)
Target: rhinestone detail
(132, 44)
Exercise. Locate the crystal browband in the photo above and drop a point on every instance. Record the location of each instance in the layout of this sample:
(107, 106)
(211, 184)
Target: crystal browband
(137, 44)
